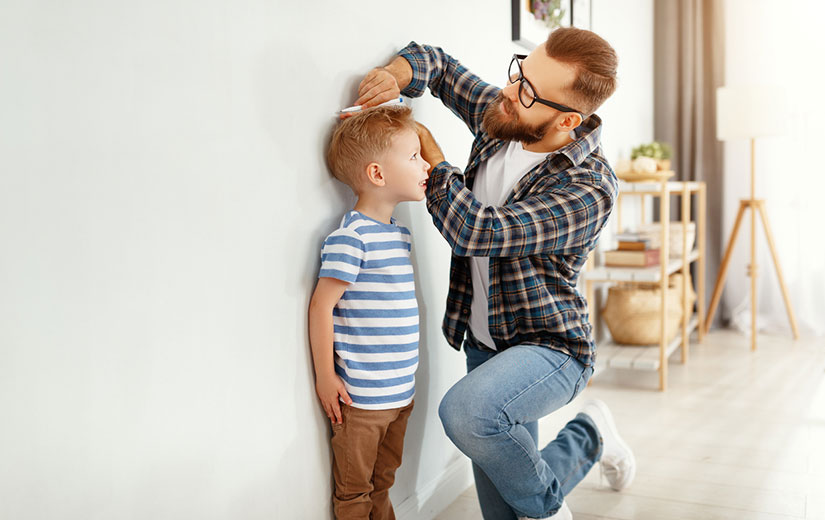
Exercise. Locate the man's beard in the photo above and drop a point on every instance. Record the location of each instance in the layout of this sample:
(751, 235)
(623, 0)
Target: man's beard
(511, 130)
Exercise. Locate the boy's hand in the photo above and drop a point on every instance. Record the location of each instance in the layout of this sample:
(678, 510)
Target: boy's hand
(430, 151)
(329, 389)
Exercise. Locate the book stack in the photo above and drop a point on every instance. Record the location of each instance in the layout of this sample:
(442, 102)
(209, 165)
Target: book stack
(633, 251)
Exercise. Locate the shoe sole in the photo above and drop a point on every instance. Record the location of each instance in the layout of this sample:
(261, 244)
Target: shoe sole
(611, 425)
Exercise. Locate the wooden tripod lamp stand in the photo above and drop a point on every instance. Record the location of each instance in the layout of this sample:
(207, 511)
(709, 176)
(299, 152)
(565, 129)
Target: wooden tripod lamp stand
(745, 112)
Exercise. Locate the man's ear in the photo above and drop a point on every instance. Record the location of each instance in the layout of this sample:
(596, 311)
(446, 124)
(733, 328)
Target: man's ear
(375, 175)
(569, 122)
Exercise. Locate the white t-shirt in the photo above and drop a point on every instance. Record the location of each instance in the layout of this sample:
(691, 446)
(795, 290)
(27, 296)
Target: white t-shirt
(494, 182)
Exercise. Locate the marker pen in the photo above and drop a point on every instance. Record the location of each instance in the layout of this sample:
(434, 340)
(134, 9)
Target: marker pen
(357, 108)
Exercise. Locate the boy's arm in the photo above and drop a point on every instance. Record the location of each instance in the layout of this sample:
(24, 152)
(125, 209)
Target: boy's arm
(420, 66)
(328, 385)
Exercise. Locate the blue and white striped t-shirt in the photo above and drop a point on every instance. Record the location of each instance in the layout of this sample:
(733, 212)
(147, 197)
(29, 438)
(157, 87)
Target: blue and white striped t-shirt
(376, 320)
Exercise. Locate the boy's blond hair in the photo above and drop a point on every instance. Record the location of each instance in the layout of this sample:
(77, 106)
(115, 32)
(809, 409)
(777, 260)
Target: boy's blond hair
(362, 138)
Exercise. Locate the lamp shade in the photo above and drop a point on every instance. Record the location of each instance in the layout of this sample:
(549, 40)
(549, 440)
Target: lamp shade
(750, 111)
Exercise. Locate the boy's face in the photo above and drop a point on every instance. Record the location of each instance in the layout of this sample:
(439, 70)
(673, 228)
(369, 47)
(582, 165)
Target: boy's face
(405, 172)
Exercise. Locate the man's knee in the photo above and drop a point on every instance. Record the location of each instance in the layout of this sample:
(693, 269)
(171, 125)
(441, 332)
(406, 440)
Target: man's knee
(467, 419)
(456, 413)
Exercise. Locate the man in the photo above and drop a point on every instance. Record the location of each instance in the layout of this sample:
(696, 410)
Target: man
(521, 220)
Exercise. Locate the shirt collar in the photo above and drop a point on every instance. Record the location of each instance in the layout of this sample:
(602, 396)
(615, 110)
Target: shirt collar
(588, 135)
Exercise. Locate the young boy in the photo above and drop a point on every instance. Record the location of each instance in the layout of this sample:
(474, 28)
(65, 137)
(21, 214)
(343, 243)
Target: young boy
(363, 317)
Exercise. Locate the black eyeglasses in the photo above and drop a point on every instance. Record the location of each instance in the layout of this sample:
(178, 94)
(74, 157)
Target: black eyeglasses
(526, 93)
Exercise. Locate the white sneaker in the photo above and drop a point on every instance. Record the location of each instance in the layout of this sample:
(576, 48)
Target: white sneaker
(562, 514)
(618, 463)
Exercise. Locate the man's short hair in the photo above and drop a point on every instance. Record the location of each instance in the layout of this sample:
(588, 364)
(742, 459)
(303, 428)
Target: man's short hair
(362, 138)
(595, 62)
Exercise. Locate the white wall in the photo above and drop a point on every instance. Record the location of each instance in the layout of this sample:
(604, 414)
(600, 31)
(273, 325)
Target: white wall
(163, 198)
(758, 50)
(628, 114)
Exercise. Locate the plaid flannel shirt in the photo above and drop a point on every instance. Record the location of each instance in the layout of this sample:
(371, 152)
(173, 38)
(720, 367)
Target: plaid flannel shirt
(537, 241)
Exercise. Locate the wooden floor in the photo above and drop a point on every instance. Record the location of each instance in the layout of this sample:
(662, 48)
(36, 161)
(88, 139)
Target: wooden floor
(738, 435)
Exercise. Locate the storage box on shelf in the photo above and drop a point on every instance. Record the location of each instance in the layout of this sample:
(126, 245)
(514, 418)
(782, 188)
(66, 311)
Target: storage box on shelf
(646, 357)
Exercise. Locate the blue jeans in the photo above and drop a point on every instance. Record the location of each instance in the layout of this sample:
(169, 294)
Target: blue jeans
(491, 415)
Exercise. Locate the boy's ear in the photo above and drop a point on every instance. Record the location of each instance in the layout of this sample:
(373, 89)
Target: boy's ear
(375, 175)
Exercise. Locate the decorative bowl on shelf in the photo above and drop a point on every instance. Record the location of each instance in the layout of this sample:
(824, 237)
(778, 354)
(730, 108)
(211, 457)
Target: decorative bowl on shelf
(643, 169)
(634, 176)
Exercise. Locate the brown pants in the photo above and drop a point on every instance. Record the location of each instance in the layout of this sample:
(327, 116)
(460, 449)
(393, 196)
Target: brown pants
(366, 451)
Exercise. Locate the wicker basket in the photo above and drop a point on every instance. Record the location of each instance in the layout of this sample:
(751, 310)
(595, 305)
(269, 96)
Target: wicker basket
(633, 316)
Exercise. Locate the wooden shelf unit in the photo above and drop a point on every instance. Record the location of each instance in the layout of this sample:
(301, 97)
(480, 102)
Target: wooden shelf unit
(645, 357)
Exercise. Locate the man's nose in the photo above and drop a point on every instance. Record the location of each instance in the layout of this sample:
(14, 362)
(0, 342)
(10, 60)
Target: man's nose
(511, 91)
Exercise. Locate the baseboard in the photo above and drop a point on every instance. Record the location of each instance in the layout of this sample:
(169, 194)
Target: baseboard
(437, 494)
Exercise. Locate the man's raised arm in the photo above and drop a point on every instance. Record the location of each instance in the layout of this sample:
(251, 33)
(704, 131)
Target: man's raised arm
(418, 67)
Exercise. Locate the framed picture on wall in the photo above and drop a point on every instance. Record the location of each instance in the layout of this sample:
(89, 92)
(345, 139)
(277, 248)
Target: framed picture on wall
(532, 20)
(580, 12)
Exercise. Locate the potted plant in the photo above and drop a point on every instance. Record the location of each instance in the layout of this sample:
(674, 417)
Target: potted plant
(657, 150)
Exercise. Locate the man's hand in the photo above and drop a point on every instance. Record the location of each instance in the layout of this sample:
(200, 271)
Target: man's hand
(384, 83)
(430, 151)
(378, 86)
(329, 389)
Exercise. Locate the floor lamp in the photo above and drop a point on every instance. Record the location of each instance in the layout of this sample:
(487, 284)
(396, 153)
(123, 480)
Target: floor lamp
(750, 112)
